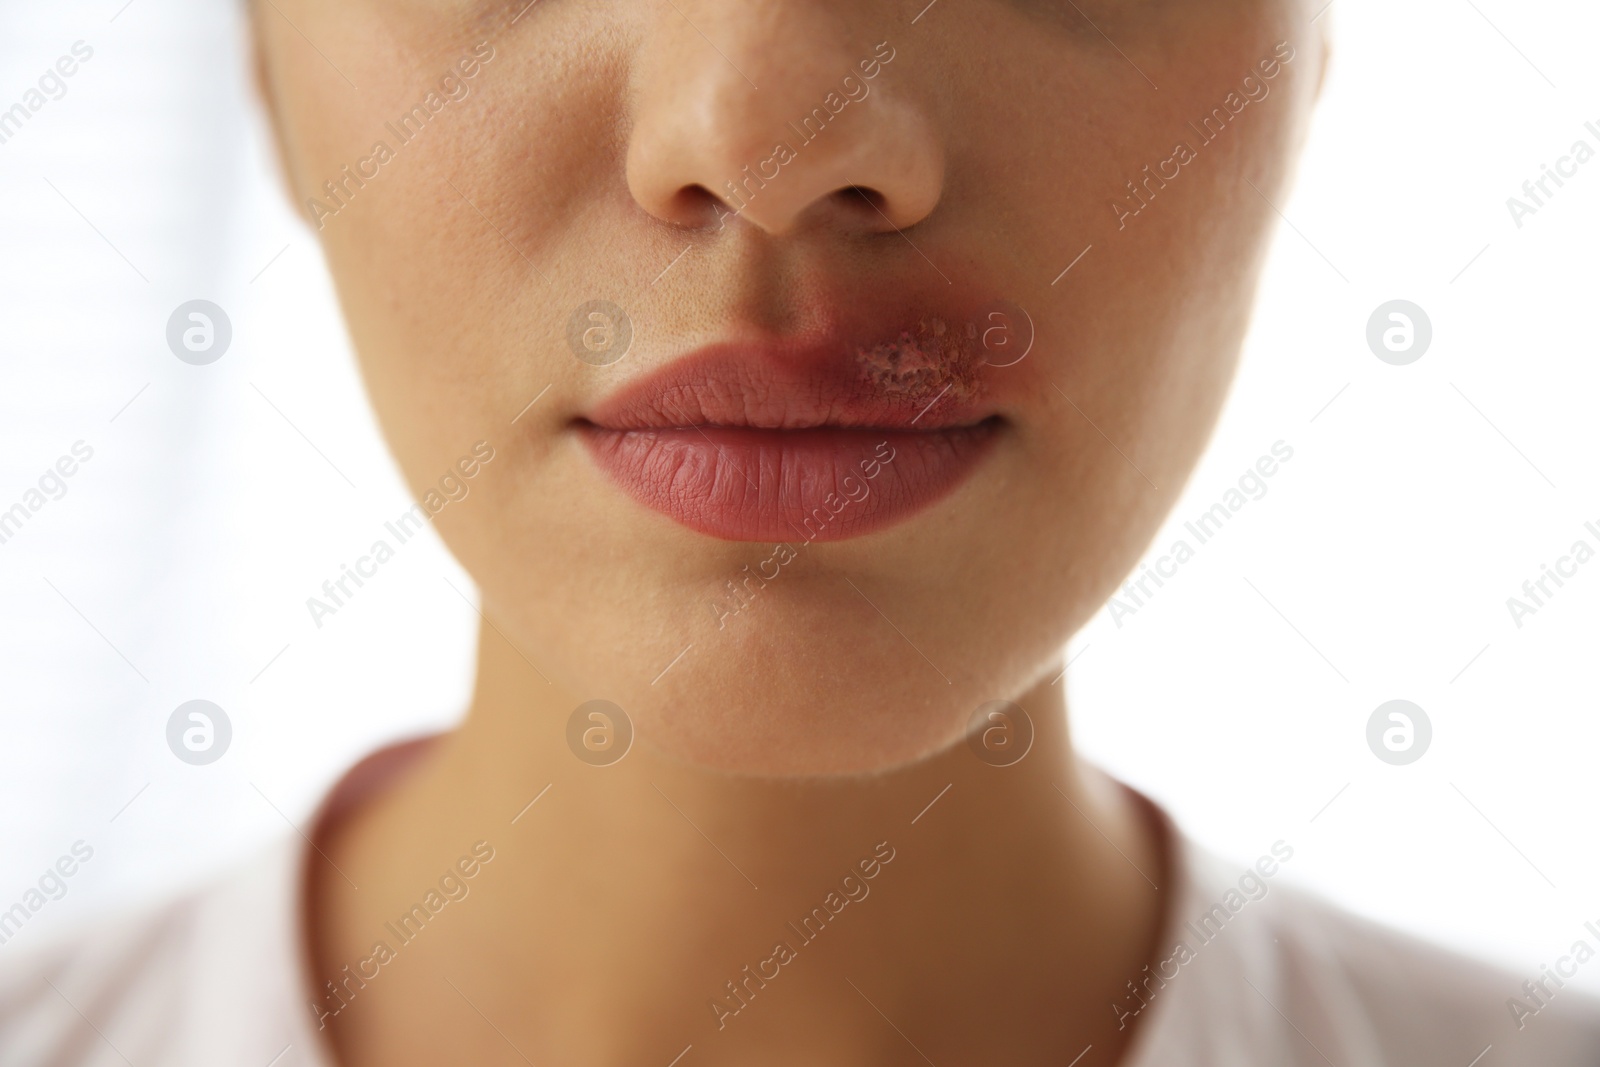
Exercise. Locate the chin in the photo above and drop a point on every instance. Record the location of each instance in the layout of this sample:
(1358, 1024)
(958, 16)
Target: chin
(804, 735)
(795, 700)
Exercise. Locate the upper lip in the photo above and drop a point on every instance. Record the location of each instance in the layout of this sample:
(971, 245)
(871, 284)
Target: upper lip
(833, 382)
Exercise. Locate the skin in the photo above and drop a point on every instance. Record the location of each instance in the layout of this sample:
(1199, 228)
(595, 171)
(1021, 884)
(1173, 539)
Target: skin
(820, 721)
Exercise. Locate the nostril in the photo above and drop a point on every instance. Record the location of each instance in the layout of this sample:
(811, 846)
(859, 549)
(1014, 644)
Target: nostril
(695, 206)
(870, 195)
(864, 200)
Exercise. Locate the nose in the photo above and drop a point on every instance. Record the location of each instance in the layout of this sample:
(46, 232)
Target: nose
(767, 111)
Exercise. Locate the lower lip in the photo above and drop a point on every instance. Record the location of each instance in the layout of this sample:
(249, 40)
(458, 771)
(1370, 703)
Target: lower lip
(825, 484)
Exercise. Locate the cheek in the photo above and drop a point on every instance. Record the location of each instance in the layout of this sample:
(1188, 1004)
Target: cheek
(478, 237)
(1137, 342)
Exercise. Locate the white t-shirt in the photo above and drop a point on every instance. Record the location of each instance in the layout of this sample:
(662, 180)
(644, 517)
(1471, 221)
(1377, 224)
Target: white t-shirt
(1256, 975)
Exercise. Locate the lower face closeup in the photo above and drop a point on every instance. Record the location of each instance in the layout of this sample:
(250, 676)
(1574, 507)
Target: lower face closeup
(838, 360)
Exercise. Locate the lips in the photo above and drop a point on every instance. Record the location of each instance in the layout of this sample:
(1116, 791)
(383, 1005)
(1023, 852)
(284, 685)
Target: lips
(786, 442)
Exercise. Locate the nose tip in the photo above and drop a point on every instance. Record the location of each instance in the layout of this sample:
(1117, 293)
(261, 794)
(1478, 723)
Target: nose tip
(844, 147)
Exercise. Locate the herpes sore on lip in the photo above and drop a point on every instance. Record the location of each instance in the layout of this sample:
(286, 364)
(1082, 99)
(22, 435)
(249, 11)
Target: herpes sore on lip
(933, 359)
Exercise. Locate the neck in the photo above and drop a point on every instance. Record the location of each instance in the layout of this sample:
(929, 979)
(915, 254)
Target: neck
(725, 912)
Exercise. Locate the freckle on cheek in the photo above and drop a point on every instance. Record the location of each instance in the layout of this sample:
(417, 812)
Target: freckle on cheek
(923, 361)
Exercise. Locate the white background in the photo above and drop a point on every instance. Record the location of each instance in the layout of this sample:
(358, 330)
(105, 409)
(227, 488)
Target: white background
(1377, 566)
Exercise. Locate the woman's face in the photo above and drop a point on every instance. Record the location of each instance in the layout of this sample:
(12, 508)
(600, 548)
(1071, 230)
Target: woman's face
(806, 442)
